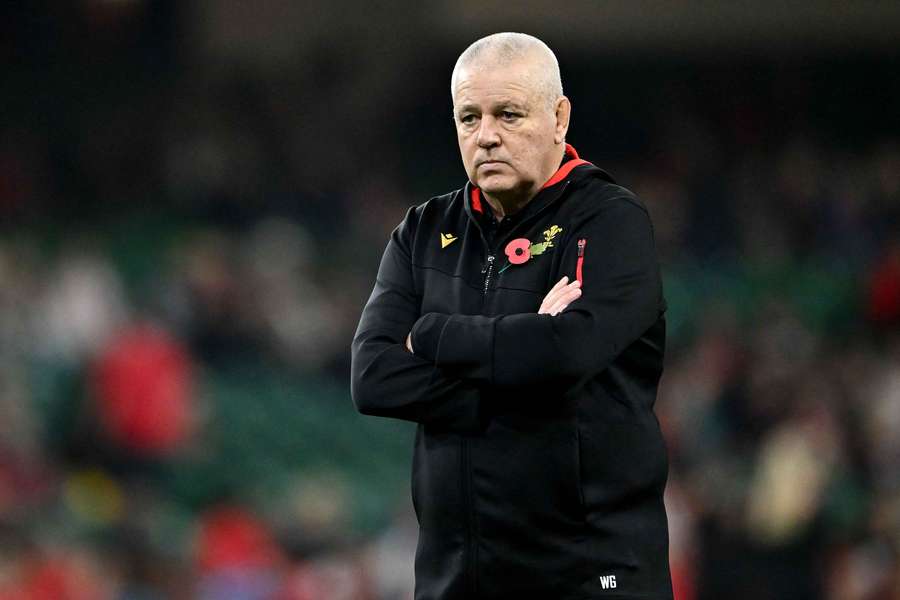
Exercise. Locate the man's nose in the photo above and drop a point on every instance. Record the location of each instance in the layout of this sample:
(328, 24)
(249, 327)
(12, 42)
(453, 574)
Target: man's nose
(488, 136)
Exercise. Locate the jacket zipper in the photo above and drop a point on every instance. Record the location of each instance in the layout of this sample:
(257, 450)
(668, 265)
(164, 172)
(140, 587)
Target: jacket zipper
(488, 270)
(581, 244)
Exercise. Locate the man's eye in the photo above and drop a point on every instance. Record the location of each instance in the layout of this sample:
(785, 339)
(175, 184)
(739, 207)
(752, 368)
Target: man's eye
(467, 119)
(509, 116)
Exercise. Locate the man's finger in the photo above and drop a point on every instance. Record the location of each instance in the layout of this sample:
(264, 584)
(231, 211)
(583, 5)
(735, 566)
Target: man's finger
(560, 289)
(549, 295)
(554, 296)
(564, 300)
(559, 284)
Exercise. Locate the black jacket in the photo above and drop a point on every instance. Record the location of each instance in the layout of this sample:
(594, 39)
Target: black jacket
(539, 467)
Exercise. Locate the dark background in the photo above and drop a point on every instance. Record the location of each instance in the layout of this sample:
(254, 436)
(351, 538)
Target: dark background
(194, 197)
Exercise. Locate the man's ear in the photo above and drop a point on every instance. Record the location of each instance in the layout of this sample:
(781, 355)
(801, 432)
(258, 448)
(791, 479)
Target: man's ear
(563, 112)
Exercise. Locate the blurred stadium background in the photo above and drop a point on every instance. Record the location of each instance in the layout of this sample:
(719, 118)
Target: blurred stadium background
(194, 197)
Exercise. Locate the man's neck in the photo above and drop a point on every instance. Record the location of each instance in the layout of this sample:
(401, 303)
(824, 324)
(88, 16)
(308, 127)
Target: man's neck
(504, 206)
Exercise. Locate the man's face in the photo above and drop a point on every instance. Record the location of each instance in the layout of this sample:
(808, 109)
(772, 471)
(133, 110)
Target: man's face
(507, 133)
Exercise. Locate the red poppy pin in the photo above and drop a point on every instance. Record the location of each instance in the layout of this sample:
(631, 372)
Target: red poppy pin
(520, 250)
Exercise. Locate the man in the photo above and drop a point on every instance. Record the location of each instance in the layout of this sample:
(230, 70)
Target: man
(519, 321)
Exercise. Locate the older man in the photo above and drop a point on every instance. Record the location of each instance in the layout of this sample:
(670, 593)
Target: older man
(519, 321)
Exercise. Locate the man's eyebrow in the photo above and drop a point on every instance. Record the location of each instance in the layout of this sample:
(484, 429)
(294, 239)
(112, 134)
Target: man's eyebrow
(466, 108)
(501, 103)
(509, 102)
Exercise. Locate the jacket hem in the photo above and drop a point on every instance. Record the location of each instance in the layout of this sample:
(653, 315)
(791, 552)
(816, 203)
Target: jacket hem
(605, 596)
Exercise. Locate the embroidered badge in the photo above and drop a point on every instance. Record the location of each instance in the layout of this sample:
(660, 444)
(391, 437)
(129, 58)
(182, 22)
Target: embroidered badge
(520, 250)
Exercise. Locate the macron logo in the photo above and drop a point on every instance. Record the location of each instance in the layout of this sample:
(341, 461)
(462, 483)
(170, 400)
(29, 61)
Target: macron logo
(607, 582)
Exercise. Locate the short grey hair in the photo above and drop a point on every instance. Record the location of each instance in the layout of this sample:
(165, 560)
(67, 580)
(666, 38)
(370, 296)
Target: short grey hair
(501, 49)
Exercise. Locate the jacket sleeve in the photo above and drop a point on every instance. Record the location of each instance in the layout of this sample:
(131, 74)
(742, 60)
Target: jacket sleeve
(386, 379)
(621, 298)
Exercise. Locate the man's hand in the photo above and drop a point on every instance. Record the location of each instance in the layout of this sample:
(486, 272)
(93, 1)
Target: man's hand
(409, 342)
(558, 298)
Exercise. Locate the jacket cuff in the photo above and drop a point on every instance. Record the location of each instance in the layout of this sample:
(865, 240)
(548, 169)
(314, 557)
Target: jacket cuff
(426, 335)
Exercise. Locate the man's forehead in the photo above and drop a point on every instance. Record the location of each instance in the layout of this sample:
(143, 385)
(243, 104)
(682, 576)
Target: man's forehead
(494, 86)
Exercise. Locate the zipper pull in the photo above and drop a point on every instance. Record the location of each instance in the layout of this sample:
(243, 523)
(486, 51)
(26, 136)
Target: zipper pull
(579, 275)
(487, 265)
(488, 271)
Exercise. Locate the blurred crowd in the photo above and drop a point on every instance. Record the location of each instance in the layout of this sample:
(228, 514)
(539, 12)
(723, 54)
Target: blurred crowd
(780, 406)
(184, 253)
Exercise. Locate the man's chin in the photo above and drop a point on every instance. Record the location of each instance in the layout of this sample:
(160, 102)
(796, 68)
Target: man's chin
(495, 185)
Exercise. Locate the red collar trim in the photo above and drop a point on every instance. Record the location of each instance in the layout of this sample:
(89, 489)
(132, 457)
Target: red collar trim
(476, 199)
(567, 167)
(561, 173)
